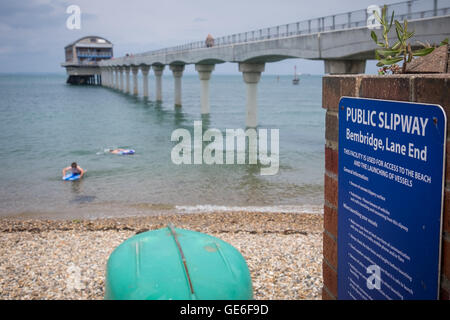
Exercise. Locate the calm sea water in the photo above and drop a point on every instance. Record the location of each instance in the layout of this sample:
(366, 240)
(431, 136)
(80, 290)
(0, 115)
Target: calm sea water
(46, 124)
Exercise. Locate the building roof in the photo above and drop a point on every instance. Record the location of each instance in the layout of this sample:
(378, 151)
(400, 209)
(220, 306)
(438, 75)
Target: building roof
(93, 45)
(99, 43)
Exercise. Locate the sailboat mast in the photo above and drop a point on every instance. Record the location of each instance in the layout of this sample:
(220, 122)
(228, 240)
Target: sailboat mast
(296, 80)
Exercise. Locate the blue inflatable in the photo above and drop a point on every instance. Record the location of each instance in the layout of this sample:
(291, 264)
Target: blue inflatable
(71, 177)
(120, 151)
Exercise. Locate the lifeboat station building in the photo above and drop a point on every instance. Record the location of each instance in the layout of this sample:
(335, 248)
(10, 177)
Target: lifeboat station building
(82, 57)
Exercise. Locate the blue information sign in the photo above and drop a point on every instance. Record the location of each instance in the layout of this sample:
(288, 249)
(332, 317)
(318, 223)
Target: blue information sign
(391, 167)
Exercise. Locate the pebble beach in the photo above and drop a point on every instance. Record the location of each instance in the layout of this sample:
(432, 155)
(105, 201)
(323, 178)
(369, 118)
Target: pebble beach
(40, 258)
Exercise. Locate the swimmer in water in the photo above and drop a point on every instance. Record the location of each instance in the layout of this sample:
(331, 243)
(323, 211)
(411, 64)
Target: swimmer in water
(120, 151)
(74, 169)
(116, 151)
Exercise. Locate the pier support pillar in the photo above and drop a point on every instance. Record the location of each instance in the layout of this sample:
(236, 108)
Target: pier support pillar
(252, 74)
(345, 66)
(127, 79)
(121, 70)
(105, 77)
(117, 85)
(204, 73)
(158, 70)
(135, 71)
(177, 71)
(145, 69)
(108, 77)
(102, 75)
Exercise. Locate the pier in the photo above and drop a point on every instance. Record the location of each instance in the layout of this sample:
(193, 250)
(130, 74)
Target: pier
(342, 41)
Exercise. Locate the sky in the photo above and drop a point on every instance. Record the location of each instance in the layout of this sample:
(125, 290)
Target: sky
(33, 33)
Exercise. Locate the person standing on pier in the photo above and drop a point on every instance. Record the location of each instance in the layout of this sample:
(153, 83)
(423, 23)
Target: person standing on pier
(209, 41)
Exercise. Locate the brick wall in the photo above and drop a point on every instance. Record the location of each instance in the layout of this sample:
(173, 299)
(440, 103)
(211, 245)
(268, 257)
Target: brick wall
(428, 88)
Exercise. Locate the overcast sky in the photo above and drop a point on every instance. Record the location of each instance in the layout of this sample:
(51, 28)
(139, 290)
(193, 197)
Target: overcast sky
(33, 33)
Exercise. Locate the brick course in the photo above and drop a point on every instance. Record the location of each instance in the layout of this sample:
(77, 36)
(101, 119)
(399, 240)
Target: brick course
(330, 250)
(330, 220)
(331, 190)
(330, 278)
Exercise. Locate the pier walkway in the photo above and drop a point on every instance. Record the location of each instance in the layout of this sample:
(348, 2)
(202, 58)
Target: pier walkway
(342, 41)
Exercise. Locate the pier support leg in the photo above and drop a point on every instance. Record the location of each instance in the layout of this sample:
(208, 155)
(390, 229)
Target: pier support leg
(135, 71)
(204, 73)
(121, 88)
(345, 66)
(109, 78)
(158, 70)
(117, 86)
(252, 74)
(177, 71)
(105, 77)
(145, 69)
(127, 79)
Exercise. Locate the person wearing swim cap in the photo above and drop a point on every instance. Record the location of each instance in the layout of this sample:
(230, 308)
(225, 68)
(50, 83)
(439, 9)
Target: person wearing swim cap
(74, 169)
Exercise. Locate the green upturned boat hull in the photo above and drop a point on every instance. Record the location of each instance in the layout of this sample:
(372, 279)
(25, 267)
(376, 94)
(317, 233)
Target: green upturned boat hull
(177, 264)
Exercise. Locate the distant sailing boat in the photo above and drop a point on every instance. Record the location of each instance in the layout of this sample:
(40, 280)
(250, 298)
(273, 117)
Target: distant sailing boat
(296, 79)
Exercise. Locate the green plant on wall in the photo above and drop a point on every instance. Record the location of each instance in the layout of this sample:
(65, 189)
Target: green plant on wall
(388, 56)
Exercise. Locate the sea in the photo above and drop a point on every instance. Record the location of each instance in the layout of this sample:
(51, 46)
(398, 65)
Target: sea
(46, 124)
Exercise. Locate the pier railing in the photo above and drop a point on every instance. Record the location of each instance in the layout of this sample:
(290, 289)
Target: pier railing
(412, 9)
